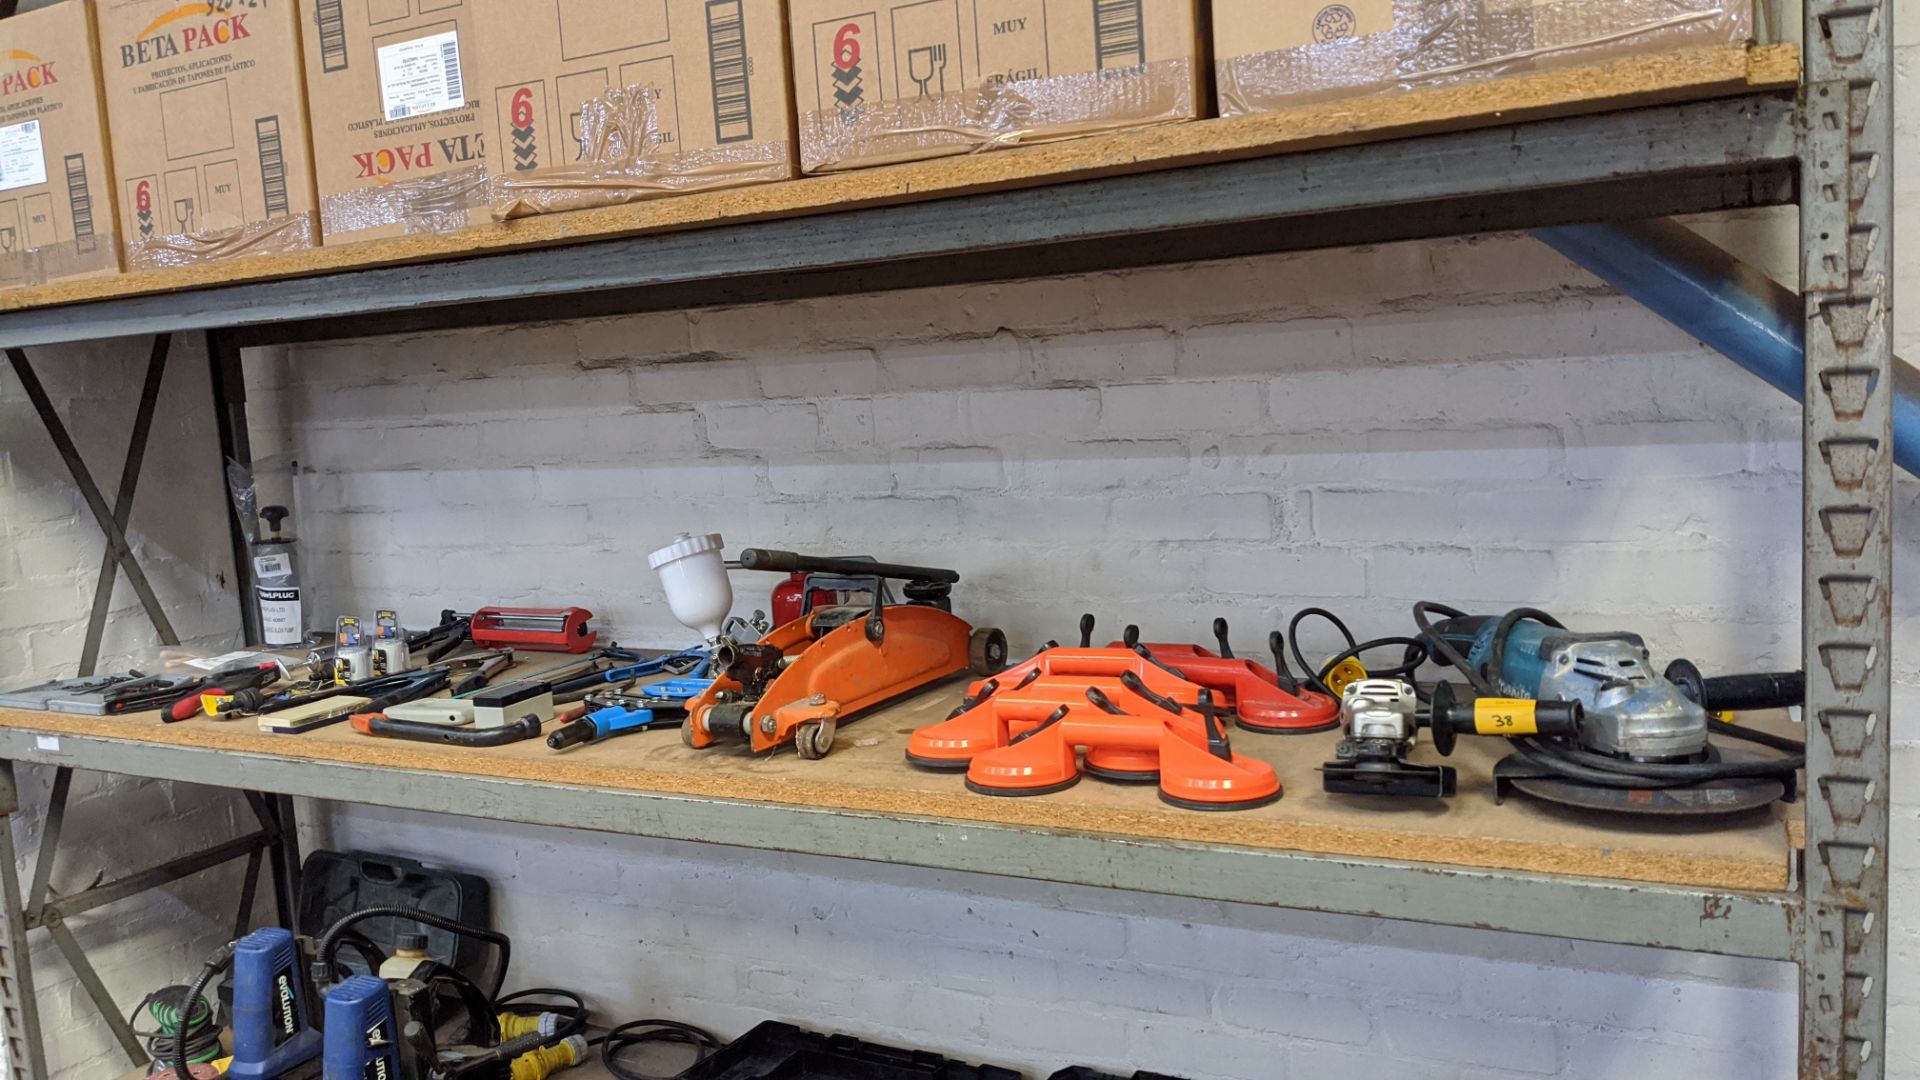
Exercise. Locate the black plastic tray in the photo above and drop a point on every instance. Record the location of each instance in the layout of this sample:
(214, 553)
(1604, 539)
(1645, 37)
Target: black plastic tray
(776, 1051)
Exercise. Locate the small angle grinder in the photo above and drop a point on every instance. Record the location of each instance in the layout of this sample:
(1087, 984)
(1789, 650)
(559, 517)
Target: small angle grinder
(1642, 745)
(1381, 720)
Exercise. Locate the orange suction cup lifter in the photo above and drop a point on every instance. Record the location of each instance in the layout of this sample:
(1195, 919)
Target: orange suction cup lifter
(1038, 761)
(1120, 764)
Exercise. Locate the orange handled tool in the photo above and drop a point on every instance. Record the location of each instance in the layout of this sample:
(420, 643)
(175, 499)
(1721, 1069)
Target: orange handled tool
(221, 684)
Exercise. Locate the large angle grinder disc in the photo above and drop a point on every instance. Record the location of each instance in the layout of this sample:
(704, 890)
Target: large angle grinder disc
(1713, 798)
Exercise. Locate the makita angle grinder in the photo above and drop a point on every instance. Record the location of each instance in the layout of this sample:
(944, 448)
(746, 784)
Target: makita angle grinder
(1642, 745)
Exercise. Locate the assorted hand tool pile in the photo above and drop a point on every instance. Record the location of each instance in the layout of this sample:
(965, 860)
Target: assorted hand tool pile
(1588, 721)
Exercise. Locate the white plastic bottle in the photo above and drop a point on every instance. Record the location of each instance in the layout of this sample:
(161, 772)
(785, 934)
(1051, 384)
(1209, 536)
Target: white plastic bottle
(276, 584)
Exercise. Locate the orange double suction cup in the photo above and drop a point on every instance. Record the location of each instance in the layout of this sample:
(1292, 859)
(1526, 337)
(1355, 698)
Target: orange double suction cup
(1269, 701)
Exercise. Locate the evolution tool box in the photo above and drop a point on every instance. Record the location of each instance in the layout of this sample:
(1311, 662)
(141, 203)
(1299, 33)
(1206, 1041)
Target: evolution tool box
(56, 197)
(209, 121)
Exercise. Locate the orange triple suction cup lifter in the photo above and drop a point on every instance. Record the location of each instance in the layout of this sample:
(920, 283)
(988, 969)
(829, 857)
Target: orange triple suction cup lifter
(1189, 750)
(1120, 764)
(998, 708)
(1039, 761)
(1200, 771)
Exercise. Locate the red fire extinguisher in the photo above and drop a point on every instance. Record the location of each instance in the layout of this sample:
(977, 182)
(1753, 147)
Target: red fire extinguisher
(797, 594)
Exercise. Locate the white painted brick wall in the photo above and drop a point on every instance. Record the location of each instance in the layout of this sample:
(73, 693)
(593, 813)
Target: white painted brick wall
(1473, 421)
(1041, 976)
(50, 550)
(1378, 403)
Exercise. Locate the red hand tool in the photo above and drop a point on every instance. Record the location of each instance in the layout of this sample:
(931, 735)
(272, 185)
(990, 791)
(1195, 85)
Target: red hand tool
(538, 629)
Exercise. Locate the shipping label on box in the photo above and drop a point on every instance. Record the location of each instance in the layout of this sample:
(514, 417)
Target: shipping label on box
(602, 101)
(1269, 56)
(57, 218)
(923, 78)
(209, 128)
(399, 142)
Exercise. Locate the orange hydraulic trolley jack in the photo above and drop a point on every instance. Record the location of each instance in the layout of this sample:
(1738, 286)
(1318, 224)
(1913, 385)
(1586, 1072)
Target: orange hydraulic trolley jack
(804, 678)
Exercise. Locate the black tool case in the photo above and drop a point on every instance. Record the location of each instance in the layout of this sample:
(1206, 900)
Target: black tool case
(336, 883)
(776, 1051)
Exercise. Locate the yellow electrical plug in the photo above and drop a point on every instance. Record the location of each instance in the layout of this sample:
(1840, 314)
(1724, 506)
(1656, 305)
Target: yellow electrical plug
(1350, 670)
(539, 1064)
(514, 1025)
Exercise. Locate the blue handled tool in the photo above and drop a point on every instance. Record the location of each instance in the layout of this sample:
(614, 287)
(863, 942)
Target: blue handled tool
(272, 1030)
(603, 724)
(361, 1043)
(689, 661)
(681, 689)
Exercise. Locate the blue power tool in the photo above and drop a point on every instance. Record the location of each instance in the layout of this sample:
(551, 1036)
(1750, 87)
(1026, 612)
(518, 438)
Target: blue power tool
(273, 1034)
(1641, 746)
(361, 1043)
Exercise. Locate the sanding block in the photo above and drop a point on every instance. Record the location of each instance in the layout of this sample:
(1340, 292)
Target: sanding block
(500, 705)
(448, 712)
(313, 714)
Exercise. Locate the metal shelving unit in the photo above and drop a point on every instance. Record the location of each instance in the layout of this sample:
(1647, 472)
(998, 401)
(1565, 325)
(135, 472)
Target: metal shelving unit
(1828, 148)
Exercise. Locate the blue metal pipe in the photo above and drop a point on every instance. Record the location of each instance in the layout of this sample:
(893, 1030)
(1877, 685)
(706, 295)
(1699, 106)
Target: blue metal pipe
(1747, 316)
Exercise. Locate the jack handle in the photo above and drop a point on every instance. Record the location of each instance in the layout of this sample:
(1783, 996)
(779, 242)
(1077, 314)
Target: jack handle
(787, 562)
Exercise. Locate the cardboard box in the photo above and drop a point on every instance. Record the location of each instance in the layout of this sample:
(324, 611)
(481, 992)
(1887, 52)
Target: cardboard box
(923, 78)
(1268, 56)
(713, 111)
(208, 119)
(56, 187)
(398, 142)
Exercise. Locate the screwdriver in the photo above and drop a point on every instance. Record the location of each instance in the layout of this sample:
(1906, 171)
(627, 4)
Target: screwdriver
(222, 684)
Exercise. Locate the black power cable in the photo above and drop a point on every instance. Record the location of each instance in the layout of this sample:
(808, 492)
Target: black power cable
(176, 1020)
(573, 1013)
(1443, 650)
(638, 1032)
(221, 960)
(330, 942)
(1413, 655)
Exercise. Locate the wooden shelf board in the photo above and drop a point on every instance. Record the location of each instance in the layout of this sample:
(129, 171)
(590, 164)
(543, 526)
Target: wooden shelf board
(1659, 78)
(866, 774)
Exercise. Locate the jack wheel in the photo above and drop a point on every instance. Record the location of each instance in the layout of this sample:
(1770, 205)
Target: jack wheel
(987, 651)
(686, 733)
(814, 739)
